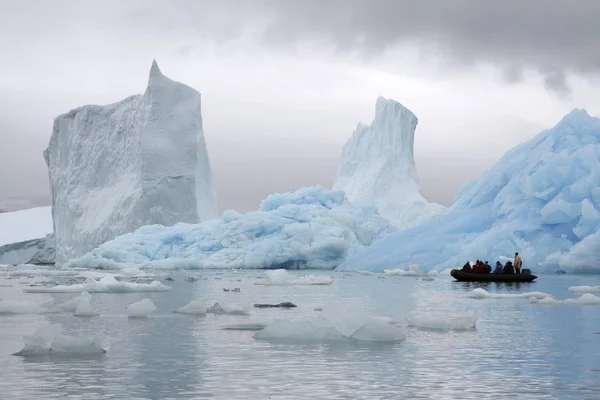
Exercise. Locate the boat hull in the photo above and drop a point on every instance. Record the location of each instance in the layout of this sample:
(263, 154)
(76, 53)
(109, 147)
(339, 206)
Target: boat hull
(470, 277)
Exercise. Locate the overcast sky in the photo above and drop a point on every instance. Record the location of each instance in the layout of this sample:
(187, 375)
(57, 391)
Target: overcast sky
(285, 82)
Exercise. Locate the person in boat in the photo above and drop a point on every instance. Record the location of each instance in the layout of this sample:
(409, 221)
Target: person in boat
(467, 267)
(518, 263)
(498, 269)
(476, 267)
(488, 268)
(508, 268)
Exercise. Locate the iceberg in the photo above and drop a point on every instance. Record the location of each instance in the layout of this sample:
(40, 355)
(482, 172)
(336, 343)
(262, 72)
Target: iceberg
(541, 200)
(26, 237)
(49, 341)
(310, 228)
(141, 161)
(378, 167)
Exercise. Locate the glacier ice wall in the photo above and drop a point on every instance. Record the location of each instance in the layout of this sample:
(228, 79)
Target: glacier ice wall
(26, 237)
(137, 162)
(378, 167)
(310, 228)
(541, 199)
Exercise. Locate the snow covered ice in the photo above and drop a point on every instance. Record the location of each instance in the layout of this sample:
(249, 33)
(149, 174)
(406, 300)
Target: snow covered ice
(106, 284)
(541, 199)
(26, 236)
(378, 167)
(311, 228)
(137, 162)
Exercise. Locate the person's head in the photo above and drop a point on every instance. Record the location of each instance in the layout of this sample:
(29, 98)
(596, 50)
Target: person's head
(477, 261)
(516, 254)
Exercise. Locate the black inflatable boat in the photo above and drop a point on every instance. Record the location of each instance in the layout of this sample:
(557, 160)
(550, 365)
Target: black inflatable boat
(471, 277)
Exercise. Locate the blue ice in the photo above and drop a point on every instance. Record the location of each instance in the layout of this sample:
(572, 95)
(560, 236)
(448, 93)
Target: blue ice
(541, 199)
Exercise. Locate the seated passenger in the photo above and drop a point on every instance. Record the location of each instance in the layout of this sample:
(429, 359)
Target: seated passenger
(467, 267)
(508, 268)
(488, 268)
(498, 269)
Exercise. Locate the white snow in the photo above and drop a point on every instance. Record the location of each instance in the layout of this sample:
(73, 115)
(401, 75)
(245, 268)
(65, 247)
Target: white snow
(281, 277)
(541, 199)
(378, 167)
(23, 225)
(84, 308)
(137, 162)
(49, 341)
(106, 284)
(311, 228)
(140, 309)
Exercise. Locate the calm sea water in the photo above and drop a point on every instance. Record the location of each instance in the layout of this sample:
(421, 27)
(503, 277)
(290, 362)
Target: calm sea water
(519, 350)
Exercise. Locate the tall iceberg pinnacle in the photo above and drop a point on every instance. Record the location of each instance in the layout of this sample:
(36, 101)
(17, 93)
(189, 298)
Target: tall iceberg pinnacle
(137, 162)
(378, 167)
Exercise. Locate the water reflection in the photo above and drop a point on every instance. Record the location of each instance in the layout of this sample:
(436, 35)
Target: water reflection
(519, 350)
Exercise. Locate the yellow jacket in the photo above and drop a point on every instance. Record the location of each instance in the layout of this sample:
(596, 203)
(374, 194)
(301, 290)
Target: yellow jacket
(518, 262)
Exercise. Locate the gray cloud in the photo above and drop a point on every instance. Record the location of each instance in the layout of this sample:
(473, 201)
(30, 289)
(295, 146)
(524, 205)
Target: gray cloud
(552, 37)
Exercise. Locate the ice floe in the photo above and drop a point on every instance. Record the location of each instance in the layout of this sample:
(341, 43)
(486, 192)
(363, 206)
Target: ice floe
(106, 284)
(283, 277)
(49, 341)
(140, 309)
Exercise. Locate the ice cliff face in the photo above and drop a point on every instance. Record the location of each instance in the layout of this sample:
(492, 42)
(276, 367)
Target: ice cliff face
(378, 167)
(541, 199)
(310, 228)
(137, 162)
(26, 237)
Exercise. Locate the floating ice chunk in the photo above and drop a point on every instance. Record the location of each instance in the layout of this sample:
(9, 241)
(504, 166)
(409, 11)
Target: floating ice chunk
(333, 324)
(584, 289)
(378, 330)
(443, 323)
(194, 307)
(282, 277)
(220, 309)
(484, 294)
(545, 300)
(413, 270)
(140, 309)
(106, 284)
(22, 307)
(587, 299)
(84, 308)
(49, 341)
